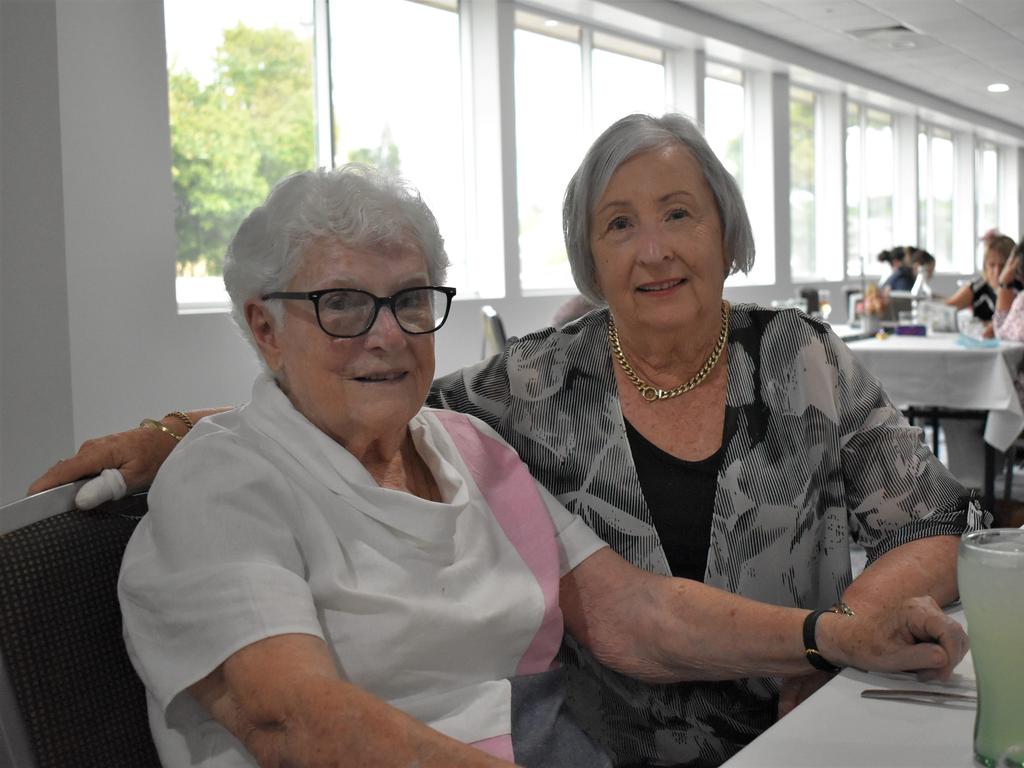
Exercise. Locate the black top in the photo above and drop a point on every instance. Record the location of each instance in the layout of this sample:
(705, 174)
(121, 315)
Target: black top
(681, 497)
(983, 299)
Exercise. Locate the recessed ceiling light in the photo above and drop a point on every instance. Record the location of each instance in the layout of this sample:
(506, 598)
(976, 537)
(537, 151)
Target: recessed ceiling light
(998, 88)
(550, 23)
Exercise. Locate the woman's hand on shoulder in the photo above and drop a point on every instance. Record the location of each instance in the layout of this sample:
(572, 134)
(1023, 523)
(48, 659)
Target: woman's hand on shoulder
(914, 636)
(137, 454)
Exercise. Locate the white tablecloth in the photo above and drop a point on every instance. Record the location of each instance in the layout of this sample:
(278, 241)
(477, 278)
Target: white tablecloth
(836, 727)
(935, 371)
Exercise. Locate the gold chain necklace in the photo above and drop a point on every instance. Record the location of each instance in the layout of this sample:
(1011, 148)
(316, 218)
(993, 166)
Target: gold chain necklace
(649, 393)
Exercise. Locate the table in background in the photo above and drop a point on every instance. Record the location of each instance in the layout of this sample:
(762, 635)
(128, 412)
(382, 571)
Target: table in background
(836, 727)
(935, 372)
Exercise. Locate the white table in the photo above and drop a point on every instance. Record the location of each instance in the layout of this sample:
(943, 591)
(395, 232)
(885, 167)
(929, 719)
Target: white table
(935, 372)
(835, 727)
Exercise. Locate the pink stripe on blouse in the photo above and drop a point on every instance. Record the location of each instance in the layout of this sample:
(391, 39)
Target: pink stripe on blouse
(511, 492)
(499, 746)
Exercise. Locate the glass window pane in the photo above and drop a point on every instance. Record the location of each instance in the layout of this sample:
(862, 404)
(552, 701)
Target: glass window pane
(240, 98)
(935, 159)
(878, 183)
(724, 119)
(403, 113)
(942, 193)
(855, 257)
(624, 84)
(987, 187)
(923, 208)
(550, 142)
(802, 191)
(870, 185)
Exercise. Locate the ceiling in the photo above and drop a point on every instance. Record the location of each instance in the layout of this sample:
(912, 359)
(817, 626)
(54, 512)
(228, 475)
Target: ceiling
(960, 47)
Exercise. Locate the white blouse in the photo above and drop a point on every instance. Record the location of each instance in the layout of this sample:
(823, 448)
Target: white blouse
(261, 525)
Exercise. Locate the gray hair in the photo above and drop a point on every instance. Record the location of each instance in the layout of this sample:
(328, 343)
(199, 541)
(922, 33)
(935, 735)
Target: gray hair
(355, 204)
(624, 139)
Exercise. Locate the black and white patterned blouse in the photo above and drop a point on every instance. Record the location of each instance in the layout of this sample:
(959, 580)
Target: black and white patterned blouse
(814, 455)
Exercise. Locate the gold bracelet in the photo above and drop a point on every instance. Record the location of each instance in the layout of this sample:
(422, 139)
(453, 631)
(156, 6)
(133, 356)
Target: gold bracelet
(842, 608)
(185, 419)
(154, 424)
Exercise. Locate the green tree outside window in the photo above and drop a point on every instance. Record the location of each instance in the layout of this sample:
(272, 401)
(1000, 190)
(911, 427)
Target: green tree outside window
(233, 138)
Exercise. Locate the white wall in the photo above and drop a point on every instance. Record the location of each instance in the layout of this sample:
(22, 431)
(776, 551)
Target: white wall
(35, 370)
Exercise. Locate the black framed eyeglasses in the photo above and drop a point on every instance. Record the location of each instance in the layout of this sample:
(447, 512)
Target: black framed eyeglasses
(349, 312)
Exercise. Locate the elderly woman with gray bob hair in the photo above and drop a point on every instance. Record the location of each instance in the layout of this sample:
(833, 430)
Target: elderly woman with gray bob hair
(737, 449)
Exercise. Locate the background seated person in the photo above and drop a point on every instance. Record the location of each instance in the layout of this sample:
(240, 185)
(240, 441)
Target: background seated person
(1008, 320)
(923, 264)
(572, 309)
(901, 278)
(981, 293)
(731, 446)
(965, 440)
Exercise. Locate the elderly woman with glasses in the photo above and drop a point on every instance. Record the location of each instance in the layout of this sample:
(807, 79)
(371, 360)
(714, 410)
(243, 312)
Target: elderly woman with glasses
(728, 453)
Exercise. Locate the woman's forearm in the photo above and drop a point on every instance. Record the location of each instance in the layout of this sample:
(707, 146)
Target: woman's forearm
(922, 567)
(1004, 299)
(661, 629)
(283, 699)
(961, 299)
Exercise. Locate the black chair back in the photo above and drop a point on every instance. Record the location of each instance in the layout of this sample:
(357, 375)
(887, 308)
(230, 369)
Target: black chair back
(78, 697)
(810, 295)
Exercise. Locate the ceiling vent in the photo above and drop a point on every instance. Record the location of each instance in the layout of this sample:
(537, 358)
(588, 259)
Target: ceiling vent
(897, 37)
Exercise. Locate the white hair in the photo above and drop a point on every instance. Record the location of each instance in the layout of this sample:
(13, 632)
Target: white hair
(355, 204)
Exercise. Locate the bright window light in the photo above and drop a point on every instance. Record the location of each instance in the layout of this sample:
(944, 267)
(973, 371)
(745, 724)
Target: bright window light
(401, 117)
(240, 97)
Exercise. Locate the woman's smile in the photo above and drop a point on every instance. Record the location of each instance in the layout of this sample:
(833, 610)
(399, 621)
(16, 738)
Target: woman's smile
(662, 287)
(390, 377)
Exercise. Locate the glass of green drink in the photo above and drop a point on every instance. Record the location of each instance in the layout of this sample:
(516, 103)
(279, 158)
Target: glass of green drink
(990, 572)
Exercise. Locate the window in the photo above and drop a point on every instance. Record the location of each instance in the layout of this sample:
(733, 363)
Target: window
(803, 262)
(243, 94)
(935, 195)
(870, 183)
(724, 115)
(399, 106)
(240, 97)
(553, 127)
(986, 187)
(550, 141)
(626, 77)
